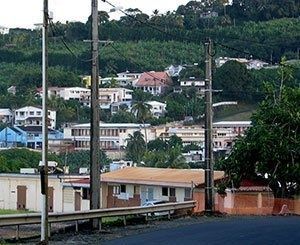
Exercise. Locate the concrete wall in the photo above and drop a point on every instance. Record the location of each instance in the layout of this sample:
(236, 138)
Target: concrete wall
(8, 192)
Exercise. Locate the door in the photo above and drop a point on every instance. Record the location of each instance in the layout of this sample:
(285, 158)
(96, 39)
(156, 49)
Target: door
(77, 201)
(150, 193)
(21, 197)
(143, 195)
(147, 194)
(50, 199)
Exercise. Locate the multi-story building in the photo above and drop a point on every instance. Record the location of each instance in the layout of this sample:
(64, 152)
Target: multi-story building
(26, 136)
(67, 93)
(6, 115)
(109, 96)
(113, 136)
(32, 116)
(198, 84)
(158, 109)
(224, 133)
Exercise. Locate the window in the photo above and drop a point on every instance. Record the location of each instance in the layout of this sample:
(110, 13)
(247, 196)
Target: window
(187, 193)
(31, 113)
(136, 190)
(172, 192)
(164, 191)
(123, 188)
(85, 193)
(116, 190)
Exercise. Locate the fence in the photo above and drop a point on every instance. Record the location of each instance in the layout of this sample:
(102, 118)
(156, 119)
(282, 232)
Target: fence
(35, 218)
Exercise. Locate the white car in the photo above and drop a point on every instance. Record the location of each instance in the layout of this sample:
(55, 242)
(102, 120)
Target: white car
(154, 203)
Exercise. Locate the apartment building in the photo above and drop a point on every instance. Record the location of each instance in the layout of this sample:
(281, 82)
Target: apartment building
(113, 136)
(224, 133)
(32, 116)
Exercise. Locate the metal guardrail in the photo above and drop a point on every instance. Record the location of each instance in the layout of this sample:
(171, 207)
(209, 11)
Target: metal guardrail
(35, 218)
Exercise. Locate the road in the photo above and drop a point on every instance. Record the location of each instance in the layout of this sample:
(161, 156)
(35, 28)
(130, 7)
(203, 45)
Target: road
(237, 230)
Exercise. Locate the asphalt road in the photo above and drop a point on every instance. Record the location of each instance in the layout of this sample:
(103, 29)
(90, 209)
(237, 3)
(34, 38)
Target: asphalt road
(238, 230)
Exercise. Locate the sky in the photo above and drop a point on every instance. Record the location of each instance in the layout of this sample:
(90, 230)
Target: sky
(26, 13)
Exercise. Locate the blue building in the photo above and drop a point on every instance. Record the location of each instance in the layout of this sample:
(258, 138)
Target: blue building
(26, 136)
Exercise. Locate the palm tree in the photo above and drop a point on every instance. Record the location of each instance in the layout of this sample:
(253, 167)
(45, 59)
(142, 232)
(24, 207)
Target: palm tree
(136, 146)
(142, 112)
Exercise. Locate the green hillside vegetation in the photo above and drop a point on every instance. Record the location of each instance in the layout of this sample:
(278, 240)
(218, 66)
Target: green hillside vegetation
(13, 159)
(266, 30)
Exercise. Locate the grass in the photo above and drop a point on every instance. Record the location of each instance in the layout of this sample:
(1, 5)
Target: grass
(241, 112)
(9, 211)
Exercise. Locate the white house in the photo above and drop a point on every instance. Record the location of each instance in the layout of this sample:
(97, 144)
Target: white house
(113, 136)
(23, 192)
(32, 116)
(158, 109)
(109, 96)
(198, 84)
(250, 64)
(4, 30)
(67, 93)
(6, 115)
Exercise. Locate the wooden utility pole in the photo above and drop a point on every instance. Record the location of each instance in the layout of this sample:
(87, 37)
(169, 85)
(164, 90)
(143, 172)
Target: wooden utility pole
(95, 119)
(44, 167)
(209, 171)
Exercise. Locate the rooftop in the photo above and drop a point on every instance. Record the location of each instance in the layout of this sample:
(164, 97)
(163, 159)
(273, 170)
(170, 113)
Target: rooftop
(159, 176)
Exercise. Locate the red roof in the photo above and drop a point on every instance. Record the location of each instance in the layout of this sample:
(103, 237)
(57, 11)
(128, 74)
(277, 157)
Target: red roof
(154, 79)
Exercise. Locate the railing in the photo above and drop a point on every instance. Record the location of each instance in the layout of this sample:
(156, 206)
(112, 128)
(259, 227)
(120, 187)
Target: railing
(35, 218)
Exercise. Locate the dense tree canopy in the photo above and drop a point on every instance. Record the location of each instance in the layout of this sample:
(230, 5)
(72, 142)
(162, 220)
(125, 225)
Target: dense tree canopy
(272, 145)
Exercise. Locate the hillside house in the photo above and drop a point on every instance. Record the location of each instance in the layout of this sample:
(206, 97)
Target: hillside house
(26, 136)
(6, 115)
(154, 82)
(32, 116)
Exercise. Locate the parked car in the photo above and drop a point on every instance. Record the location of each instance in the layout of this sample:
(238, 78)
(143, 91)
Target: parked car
(154, 203)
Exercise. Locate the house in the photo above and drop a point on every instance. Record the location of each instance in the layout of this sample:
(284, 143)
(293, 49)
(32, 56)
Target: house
(158, 109)
(115, 165)
(6, 115)
(133, 186)
(32, 116)
(129, 76)
(113, 136)
(173, 70)
(23, 192)
(4, 30)
(154, 82)
(192, 82)
(109, 96)
(67, 93)
(194, 156)
(12, 90)
(250, 64)
(256, 64)
(26, 136)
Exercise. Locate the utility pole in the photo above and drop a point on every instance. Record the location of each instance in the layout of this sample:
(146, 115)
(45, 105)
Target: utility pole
(95, 119)
(209, 171)
(44, 167)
